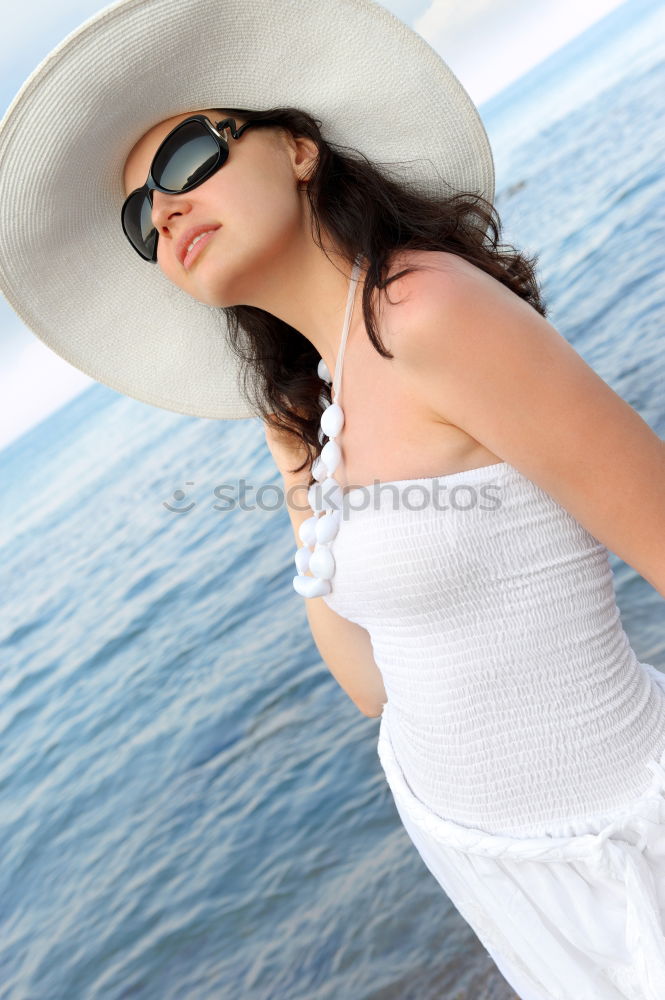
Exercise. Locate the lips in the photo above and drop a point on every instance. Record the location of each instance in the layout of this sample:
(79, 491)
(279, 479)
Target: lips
(197, 249)
(189, 235)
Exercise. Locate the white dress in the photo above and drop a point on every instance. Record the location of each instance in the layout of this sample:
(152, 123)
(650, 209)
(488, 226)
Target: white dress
(522, 740)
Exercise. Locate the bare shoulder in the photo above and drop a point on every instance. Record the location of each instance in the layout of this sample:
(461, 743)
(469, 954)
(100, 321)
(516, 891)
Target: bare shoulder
(439, 279)
(441, 304)
(430, 267)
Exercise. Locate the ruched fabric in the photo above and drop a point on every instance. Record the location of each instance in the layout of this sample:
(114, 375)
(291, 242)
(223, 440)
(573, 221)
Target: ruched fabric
(516, 699)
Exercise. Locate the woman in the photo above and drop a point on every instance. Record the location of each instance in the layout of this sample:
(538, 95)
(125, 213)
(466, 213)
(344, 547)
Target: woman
(522, 740)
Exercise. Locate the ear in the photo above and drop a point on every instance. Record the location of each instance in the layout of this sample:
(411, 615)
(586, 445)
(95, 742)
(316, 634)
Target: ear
(304, 155)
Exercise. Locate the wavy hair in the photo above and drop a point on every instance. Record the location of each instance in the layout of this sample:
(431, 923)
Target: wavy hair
(366, 212)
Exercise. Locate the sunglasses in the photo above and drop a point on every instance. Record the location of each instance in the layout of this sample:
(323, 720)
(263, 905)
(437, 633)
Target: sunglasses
(188, 156)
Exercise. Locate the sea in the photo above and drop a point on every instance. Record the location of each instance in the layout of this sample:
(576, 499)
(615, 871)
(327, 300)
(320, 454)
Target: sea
(190, 806)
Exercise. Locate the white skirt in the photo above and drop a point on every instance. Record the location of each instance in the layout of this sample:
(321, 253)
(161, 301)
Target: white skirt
(574, 917)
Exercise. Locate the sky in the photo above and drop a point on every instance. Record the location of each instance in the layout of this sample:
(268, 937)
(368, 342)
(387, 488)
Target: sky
(487, 43)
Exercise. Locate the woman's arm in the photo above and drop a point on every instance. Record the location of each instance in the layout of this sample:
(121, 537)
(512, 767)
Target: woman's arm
(345, 647)
(485, 360)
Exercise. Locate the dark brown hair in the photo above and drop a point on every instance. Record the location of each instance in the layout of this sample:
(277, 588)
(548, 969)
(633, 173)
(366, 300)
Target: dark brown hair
(367, 213)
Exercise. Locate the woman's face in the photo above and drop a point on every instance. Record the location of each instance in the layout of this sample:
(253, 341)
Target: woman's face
(253, 198)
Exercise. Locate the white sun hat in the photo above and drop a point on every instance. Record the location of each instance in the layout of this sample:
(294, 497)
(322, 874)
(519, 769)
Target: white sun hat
(67, 268)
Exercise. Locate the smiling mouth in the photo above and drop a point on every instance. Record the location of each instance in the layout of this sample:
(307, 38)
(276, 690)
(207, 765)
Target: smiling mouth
(192, 254)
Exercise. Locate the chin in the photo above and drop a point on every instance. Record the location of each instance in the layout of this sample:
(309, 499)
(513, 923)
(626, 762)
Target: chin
(213, 292)
(209, 297)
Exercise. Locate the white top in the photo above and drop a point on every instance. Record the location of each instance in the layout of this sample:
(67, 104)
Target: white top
(514, 697)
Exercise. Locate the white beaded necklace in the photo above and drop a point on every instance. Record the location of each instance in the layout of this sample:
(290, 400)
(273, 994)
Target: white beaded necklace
(325, 496)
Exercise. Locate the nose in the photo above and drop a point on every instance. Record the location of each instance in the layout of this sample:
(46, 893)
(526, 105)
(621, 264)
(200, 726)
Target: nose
(166, 205)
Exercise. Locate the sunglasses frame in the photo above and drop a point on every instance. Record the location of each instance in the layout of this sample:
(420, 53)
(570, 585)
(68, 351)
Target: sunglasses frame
(217, 131)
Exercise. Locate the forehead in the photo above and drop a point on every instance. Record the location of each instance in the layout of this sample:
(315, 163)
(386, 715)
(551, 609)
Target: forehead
(140, 156)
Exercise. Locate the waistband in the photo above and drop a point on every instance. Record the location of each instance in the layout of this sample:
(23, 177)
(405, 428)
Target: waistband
(615, 852)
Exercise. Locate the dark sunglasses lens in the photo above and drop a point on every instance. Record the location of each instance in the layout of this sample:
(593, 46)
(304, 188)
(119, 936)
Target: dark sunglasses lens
(187, 157)
(139, 225)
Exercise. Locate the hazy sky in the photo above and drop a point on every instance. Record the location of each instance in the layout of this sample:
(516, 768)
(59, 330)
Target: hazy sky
(487, 44)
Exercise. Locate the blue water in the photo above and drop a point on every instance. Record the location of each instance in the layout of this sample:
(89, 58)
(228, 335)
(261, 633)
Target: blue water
(189, 805)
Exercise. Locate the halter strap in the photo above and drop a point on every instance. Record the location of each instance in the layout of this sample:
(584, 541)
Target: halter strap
(353, 281)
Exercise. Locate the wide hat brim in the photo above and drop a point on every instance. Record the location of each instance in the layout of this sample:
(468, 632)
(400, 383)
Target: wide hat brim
(66, 267)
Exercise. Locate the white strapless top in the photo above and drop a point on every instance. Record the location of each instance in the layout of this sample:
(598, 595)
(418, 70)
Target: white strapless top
(514, 697)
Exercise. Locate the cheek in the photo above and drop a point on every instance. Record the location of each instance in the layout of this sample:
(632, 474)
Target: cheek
(272, 218)
(262, 202)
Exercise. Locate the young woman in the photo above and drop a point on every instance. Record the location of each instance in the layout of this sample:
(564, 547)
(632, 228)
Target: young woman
(470, 602)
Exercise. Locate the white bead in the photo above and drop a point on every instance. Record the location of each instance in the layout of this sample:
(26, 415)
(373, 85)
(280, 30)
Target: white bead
(307, 530)
(331, 494)
(325, 497)
(302, 558)
(323, 371)
(327, 526)
(322, 563)
(320, 469)
(310, 586)
(331, 454)
(332, 419)
(314, 497)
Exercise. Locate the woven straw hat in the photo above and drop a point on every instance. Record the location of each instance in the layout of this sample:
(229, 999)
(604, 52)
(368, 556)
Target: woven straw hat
(66, 267)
